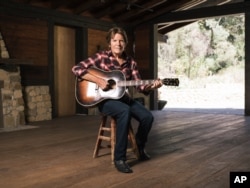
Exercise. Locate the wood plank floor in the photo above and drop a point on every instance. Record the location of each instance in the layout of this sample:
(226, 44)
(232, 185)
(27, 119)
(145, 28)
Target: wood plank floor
(188, 150)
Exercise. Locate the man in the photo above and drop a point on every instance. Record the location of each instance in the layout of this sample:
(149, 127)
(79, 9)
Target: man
(125, 108)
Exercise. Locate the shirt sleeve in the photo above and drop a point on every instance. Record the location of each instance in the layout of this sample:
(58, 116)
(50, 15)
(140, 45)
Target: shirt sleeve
(81, 68)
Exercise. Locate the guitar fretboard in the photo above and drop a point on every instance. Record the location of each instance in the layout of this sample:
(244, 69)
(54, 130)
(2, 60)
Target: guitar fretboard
(134, 82)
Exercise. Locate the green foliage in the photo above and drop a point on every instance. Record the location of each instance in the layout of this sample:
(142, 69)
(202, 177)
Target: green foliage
(204, 48)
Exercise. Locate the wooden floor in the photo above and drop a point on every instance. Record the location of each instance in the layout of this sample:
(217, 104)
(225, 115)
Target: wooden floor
(188, 150)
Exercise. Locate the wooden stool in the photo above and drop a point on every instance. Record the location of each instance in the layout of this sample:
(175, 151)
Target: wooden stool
(111, 137)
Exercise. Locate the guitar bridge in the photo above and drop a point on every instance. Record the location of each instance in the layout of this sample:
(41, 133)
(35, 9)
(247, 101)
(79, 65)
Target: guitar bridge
(96, 87)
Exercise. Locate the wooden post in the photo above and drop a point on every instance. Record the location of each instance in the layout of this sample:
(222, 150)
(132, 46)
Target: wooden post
(247, 63)
(1, 106)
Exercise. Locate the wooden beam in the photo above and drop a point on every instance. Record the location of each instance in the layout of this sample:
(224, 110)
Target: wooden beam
(85, 6)
(148, 6)
(146, 18)
(247, 63)
(11, 65)
(202, 13)
(154, 64)
(12, 8)
(1, 106)
(114, 8)
(15, 61)
(164, 30)
(58, 3)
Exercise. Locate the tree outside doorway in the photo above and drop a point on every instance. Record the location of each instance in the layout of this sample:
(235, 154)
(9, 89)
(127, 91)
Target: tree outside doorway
(208, 58)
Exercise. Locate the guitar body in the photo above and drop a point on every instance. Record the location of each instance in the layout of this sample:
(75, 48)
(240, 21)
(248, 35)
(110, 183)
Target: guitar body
(88, 94)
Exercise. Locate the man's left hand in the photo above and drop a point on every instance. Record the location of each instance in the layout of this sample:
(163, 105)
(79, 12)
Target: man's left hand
(157, 84)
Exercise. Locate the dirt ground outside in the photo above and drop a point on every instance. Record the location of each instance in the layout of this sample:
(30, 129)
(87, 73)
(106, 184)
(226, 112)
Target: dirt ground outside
(214, 97)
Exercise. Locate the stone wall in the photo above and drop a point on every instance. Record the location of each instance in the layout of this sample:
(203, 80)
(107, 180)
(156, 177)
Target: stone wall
(38, 103)
(12, 99)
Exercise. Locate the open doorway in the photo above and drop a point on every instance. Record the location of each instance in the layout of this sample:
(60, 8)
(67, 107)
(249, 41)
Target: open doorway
(208, 58)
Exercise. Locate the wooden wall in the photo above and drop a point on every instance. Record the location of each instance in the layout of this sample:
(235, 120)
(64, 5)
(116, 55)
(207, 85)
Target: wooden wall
(143, 51)
(96, 41)
(27, 39)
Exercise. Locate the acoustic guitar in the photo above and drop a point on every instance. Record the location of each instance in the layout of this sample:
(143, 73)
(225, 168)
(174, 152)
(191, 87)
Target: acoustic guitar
(89, 94)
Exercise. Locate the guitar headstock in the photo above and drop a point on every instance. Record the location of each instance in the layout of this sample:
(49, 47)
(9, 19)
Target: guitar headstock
(171, 81)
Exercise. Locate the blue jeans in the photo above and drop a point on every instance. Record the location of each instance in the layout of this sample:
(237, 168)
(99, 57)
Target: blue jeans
(122, 110)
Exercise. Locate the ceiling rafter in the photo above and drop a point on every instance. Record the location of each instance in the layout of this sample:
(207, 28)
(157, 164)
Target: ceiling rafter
(169, 8)
(126, 12)
(135, 12)
(86, 6)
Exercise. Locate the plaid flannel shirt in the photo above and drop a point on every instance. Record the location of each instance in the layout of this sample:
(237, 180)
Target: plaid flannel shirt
(105, 60)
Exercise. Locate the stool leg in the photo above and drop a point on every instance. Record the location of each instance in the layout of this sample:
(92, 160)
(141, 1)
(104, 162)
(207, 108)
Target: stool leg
(133, 141)
(100, 133)
(113, 138)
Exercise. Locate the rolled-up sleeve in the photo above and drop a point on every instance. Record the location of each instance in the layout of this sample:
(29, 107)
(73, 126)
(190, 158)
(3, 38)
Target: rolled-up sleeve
(81, 68)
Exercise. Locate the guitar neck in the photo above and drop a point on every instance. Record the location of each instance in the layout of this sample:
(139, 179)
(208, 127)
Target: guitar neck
(134, 82)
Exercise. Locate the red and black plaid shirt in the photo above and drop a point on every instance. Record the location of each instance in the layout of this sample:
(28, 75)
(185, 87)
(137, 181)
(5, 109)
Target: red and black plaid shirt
(105, 60)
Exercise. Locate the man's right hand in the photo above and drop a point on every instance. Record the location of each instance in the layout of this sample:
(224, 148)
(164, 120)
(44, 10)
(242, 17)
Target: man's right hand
(103, 84)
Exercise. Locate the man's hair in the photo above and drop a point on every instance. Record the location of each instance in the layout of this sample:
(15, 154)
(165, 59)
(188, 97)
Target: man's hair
(115, 30)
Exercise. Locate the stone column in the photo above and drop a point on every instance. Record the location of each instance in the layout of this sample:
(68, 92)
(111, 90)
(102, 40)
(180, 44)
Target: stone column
(12, 99)
(3, 51)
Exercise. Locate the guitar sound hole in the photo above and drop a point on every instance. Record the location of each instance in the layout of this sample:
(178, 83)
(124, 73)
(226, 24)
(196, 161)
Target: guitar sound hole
(111, 84)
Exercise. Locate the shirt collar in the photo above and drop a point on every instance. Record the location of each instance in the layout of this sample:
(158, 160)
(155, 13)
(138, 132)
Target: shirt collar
(124, 54)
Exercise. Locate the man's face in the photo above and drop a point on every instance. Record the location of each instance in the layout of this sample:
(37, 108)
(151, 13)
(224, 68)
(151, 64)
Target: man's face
(117, 44)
